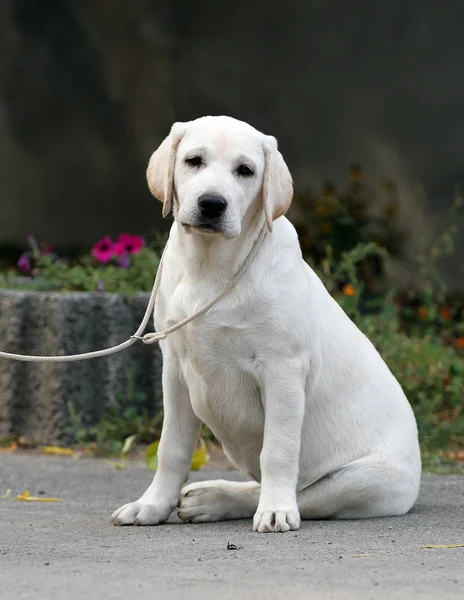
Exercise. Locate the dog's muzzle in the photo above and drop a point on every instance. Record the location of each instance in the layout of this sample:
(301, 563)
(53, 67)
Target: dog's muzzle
(211, 208)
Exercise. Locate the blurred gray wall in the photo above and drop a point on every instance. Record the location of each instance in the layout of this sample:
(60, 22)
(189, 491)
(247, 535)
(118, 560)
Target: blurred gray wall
(90, 87)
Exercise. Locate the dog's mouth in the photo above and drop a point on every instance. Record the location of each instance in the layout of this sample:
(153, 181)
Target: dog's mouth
(208, 228)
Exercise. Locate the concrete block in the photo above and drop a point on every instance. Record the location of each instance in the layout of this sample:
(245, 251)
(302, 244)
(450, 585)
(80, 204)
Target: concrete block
(35, 397)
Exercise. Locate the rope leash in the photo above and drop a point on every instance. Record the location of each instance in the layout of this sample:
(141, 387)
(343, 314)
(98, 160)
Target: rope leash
(148, 338)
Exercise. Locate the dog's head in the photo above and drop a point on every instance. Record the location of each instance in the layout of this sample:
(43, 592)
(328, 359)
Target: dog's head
(216, 172)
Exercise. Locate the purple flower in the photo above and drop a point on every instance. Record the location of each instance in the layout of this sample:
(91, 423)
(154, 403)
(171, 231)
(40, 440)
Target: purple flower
(32, 242)
(124, 261)
(24, 263)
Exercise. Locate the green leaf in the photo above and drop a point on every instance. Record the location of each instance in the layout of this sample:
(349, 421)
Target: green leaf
(152, 456)
(200, 457)
(128, 442)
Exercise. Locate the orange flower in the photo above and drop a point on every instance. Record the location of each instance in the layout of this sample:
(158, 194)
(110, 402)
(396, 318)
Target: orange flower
(459, 343)
(349, 290)
(356, 173)
(423, 313)
(445, 313)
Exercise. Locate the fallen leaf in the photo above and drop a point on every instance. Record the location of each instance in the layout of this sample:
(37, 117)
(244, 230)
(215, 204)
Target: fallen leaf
(152, 456)
(5, 496)
(365, 554)
(58, 450)
(200, 457)
(28, 498)
(128, 442)
(117, 465)
(199, 460)
(442, 546)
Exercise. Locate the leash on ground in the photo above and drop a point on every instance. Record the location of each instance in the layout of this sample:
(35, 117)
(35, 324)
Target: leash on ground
(148, 338)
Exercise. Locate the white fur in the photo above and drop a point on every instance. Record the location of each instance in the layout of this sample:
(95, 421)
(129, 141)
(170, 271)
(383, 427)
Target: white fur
(297, 395)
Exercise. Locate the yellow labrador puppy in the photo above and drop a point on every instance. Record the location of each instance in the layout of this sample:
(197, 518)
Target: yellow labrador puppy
(297, 395)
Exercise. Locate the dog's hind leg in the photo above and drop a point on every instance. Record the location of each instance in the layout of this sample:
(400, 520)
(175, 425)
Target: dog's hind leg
(362, 489)
(218, 500)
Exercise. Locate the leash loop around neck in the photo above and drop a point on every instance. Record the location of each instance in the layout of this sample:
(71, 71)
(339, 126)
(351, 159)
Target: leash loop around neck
(149, 338)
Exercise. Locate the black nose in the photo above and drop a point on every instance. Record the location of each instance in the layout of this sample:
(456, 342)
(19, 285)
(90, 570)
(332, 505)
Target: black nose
(212, 206)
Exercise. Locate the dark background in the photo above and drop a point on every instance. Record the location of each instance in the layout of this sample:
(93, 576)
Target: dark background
(89, 88)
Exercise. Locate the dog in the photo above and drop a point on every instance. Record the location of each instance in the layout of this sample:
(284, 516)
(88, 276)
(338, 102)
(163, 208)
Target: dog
(299, 398)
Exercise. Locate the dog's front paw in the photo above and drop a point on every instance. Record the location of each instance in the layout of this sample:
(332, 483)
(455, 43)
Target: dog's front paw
(275, 521)
(141, 512)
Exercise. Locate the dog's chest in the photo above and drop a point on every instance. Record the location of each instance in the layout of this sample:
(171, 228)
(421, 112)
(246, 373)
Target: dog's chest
(218, 351)
(221, 339)
(219, 361)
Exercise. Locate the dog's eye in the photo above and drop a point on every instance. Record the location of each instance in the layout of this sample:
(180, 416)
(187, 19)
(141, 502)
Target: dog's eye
(244, 171)
(194, 161)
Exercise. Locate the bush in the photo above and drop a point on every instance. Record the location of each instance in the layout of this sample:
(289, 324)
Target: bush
(331, 222)
(87, 276)
(431, 375)
(126, 267)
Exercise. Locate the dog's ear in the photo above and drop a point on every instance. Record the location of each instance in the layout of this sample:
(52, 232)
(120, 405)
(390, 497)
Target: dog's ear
(277, 183)
(160, 171)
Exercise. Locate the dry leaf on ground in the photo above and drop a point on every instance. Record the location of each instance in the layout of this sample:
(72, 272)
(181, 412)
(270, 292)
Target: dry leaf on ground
(58, 450)
(5, 496)
(442, 546)
(117, 465)
(28, 498)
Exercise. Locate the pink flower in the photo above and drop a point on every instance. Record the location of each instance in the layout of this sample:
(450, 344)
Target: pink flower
(128, 244)
(24, 263)
(103, 250)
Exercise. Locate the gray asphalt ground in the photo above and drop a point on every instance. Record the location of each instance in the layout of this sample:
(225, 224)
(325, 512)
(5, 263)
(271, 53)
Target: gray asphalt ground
(90, 559)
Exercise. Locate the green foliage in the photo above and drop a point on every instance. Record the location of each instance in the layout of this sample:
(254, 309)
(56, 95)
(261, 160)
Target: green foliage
(88, 276)
(346, 269)
(120, 422)
(431, 375)
(332, 222)
(432, 308)
(135, 272)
